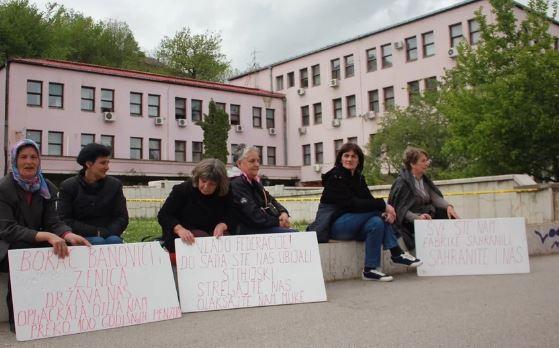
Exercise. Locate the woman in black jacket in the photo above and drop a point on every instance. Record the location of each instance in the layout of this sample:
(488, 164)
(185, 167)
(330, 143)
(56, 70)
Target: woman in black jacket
(357, 215)
(199, 207)
(92, 203)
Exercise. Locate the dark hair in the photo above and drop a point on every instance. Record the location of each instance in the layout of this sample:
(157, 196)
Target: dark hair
(214, 170)
(33, 146)
(347, 147)
(91, 152)
(412, 154)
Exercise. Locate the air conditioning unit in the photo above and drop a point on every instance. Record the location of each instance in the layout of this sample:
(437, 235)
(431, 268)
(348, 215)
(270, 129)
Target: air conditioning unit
(109, 116)
(302, 130)
(158, 121)
(272, 131)
(317, 168)
(453, 52)
(370, 115)
(398, 45)
(181, 122)
(238, 128)
(301, 91)
(333, 83)
(336, 122)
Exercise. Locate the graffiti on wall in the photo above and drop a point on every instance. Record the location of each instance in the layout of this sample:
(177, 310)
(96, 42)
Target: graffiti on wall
(551, 234)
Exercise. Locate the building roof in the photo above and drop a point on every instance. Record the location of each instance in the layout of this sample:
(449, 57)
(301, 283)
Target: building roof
(140, 75)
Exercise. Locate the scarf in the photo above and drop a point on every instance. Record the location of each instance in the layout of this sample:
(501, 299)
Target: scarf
(37, 183)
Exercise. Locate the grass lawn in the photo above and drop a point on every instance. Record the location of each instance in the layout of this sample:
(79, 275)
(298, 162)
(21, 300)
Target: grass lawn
(141, 228)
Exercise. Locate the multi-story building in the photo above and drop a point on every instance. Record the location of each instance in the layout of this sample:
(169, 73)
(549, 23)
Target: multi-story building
(298, 111)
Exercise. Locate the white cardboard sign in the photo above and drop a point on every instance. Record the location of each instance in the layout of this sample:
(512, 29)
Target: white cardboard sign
(249, 271)
(471, 246)
(95, 288)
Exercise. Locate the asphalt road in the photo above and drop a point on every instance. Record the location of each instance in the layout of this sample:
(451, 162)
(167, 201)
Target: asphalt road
(469, 311)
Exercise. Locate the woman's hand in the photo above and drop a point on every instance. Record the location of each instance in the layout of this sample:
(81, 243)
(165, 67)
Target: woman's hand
(425, 216)
(451, 213)
(75, 239)
(284, 220)
(58, 244)
(389, 214)
(220, 229)
(184, 234)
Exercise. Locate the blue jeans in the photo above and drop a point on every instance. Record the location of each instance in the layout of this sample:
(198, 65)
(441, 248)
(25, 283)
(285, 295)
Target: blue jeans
(368, 227)
(100, 240)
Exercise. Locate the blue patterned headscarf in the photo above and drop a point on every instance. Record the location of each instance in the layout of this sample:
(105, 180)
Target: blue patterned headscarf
(35, 184)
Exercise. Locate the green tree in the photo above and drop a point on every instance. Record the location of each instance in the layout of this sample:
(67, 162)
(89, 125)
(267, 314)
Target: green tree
(196, 56)
(216, 131)
(501, 99)
(419, 125)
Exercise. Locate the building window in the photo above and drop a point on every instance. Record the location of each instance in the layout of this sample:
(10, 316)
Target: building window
(431, 84)
(180, 150)
(234, 148)
(36, 136)
(350, 106)
(317, 113)
(352, 140)
(475, 31)
(290, 79)
(88, 99)
(411, 49)
(337, 108)
(456, 34)
(155, 149)
(318, 153)
(305, 116)
(220, 106)
(153, 105)
(335, 68)
(136, 148)
(271, 155)
(260, 152)
(307, 155)
(413, 91)
(197, 151)
(388, 98)
(304, 78)
(428, 44)
(315, 69)
(349, 66)
(135, 104)
(371, 59)
(180, 108)
(34, 93)
(270, 118)
(257, 117)
(235, 114)
(108, 140)
(55, 143)
(337, 146)
(374, 101)
(196, 110)
(87, 139)
(56, 95)
(107, 100)
(279, 83)
(386, 51)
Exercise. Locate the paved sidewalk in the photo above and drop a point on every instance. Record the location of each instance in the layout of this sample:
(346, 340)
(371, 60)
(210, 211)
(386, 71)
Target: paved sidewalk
(468, 311)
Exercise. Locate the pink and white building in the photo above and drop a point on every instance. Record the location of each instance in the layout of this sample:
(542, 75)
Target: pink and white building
(298, 111)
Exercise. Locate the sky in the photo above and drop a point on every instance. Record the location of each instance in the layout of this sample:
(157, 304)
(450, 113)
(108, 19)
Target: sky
(261, 31)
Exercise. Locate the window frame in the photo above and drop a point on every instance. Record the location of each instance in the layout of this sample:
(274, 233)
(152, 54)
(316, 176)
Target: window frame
(386, 56)
(92, 100)
(182, 114)
(141, 95)
(304, 78)
(371, 59)
(111, 144)
(411, 49)
(195, 113)
(337, 109)
(389, 102)
(141, 148)
(306, 151)
(335, 69)
(28, 135)
(305, 116)
(317, 116)
(270, 118)
(472, 34)
(50, 143)
(279, 82)
(256, 117)
(156, 107)
(351, 106)
(319, 152)
(315, 70)
(156, 150)
(455, 39)
(235, 117)
(428, 45)
(86, 134)
(61, 96)
(374, 103)
(349, 66)
(271, 159)
(111, 101)
(183, 143)
(40, 93)
(197, 156)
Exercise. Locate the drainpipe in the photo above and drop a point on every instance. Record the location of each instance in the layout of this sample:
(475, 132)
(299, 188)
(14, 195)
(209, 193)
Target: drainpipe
(6, 104)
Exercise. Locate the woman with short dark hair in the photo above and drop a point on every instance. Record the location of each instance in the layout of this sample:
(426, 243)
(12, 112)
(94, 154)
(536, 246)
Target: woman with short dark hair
(198, 207)
(92, 202)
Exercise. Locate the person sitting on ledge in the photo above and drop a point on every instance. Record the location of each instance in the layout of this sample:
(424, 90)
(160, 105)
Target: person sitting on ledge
(348, 211)
(416, 197)
(91, 202)
(255, 209)
(28, 218)
(198, 207)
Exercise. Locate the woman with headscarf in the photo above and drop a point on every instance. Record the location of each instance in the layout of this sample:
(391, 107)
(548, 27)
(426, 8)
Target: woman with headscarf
(28, 218)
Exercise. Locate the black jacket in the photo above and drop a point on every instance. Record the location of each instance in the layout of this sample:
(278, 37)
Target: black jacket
(187, 206)
(91, 208)
(249, 199)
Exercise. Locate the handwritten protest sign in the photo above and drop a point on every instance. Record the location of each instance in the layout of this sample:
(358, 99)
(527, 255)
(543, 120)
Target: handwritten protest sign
(94, 288)
(472, 246)
(249, 271)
